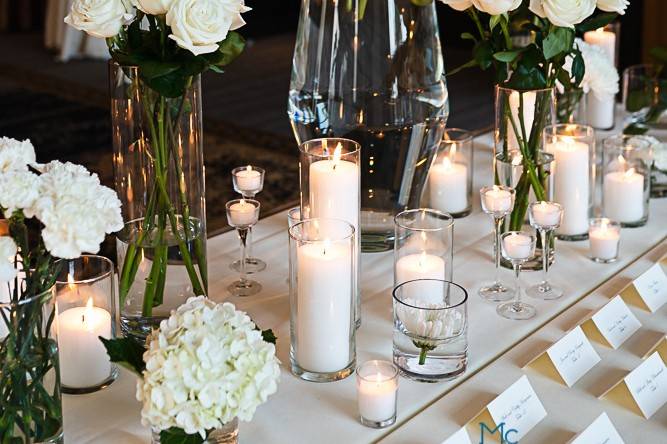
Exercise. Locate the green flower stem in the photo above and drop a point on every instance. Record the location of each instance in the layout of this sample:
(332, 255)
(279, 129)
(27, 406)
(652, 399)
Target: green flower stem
(424, 348)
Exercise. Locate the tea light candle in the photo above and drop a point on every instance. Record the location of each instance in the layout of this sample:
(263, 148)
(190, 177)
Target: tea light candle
(448, 185)
(606, 40)
(517, 246)
(546, 214)
(377, 389)
(604, 237)
(497, 200)
(83, 359)
(242, 214)
(248, 180)
(623, 195)
(422, 266)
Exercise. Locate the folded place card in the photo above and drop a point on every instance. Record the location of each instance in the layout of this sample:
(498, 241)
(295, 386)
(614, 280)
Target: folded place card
(648, 291)
(460, 437)
(643, 390)
(611, 325)
(568, 359)
(601, 431)
(660, 347)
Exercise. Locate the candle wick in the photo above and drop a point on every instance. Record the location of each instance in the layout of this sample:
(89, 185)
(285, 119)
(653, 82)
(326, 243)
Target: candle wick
(83, 319)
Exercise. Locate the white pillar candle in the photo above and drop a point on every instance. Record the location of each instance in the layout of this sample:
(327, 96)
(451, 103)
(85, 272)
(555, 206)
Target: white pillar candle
(242, 213)
(546, 214)
(377, 397)
(604, 241)
(600, 110)
(623, 196)
(571, 183)
(422, 266)
(248, 180)
(606, 40)
(529, 99)
(83, 359)
(517, 246)
(448, 186)
(324, 306)
(497, 200)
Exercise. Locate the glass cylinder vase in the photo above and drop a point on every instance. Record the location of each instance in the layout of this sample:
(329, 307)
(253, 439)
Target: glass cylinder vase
(572, 176)
(159, 177)
(30, 405)
(571, 106)
(373, 72)
(322, 299)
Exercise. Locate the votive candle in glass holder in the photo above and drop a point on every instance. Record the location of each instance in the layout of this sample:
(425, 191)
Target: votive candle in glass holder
(423, 247)
(86, 305)
(248, 180)
(322, 299)
(450, 176)
(377, 393)
(604, 237)
(626, 179)
(573, 176)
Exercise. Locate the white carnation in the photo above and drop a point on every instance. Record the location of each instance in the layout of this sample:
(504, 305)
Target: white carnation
(7, 252)
(19, 190)
(564, 13)
(459, 5)
(200, 25)
(153, 7)
(496, 7)
(99, 18)
(76, 210)
(206, 365)
(618, 6)
(16, 155)
(601, 77)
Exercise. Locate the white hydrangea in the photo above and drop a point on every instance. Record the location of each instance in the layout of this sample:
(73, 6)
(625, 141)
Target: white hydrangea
(16, 155)
(7, 253)
(76, 210)
(205, 365)
(19, 191)
(600, 77)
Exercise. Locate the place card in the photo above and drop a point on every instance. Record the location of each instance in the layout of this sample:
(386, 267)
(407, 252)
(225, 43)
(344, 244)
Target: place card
(648, 291)
(612, 325)
(643, 390)
(460, 437)
(660, 347)
(600, 431)
(568, 359)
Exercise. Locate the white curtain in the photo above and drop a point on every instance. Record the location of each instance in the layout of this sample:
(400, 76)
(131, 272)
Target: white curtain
(70, 43)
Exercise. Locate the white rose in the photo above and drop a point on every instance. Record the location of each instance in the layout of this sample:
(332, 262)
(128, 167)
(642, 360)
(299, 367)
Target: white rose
(564, 13)
(16, 155)
(7, 252)
(200, 25)
(496, 7)
(153, 7)
(618, 6)
(459, 5)
(99, 18)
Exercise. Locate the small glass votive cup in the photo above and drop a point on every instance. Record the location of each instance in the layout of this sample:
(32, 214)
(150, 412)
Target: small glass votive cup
(248, 180)
(377, 393)
(293, 216)
(626, 179)
(86, 305)
(430, 340)
(450, 176)
(604, 236)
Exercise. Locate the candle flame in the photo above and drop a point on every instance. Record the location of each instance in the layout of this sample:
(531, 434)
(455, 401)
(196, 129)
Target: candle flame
(621, 159)
(337, 153)
(600, 30)
(422, 259)
(242, 202)
(603, 224)
(248, 168)
(629, 173)
(496, 188)
(446, 163)
(327, 244)
(70, 281)
(452, 151)
(378, 377)
(88, 312)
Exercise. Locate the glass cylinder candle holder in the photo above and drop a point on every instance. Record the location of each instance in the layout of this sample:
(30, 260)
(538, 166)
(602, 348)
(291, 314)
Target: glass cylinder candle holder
(644, 88)
(604, 237)
(86, 305)
(430, 329)
(322, 299)
(572, 176)
(377, 393)
(606, 38)
(330, 185)
(626, 179)
(423, 246)
(450, 176)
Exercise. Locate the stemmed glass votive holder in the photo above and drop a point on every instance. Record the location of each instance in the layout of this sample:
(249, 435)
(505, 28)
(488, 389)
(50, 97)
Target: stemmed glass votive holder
(545, 217)
(517, 247)
(242, 214)
(248, 181)
(498, 202)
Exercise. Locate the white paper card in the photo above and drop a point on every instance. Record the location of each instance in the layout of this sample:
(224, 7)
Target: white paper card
(601, 431)
(460, 437)
(652, 287)
(648, 384)
(518, 407)
(573, 356)
(616, 322)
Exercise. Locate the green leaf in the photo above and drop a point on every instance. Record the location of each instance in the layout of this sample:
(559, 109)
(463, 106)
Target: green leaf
(229, 49)
(468, 36)
(468, 64)
(635, 129)
(269, 336)
(151, 69)
(178, 436)
(507, 56)
(216, 68)
(126, 352)
(558, 41)
(578, 68)
(596, 21)
(527, 78)
(170, 85)
(494, 20)
(483, 54)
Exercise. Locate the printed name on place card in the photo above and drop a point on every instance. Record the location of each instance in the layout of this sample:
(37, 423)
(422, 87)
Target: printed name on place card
(518, 407)
(573, 356)
(601, 430)
(613, 324)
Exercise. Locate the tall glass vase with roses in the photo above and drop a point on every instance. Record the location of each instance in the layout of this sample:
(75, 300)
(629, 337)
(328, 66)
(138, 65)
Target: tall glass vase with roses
(68, 213)
(526, 76)
(159, 48)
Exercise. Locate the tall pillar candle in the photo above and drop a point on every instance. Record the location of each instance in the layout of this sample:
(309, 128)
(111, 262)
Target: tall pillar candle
(623, 196)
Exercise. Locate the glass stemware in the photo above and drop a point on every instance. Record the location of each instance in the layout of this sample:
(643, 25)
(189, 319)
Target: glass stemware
(248, 181)
(545, 217)
(497, 201)
(242, 214)
(517, 247)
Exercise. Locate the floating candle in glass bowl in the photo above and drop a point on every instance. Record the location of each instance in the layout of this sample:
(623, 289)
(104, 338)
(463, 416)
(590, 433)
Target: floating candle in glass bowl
(604, 237)
(377, 393)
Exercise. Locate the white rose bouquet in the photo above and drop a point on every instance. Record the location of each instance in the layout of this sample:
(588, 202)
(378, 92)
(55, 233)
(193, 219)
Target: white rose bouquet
(206, 365)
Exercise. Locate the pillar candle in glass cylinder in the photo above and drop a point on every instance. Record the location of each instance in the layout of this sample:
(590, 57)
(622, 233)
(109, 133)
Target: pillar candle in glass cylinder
(604, 39)
(600, 110)
(623, 193)
(448, 186)
(422, 266)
